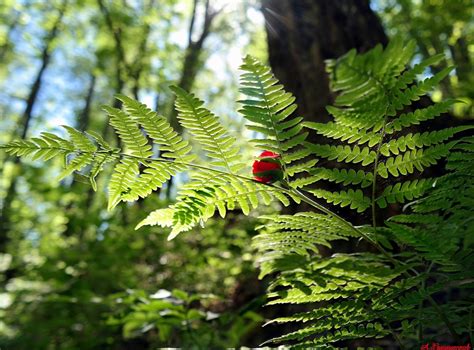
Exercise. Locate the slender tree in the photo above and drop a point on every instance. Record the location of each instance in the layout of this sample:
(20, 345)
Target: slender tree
(192, 61)
(193, 54)
(24, 122)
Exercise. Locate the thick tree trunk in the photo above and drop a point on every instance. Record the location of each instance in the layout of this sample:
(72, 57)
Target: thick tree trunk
(302, 34)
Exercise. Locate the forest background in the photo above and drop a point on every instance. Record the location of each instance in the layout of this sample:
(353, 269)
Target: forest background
(75, 276)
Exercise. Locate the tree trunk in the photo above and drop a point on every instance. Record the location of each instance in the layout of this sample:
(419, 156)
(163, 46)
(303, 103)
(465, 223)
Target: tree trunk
(84, 117)
(302, 34)
(192, 58)
(191, 65)
(137, 68)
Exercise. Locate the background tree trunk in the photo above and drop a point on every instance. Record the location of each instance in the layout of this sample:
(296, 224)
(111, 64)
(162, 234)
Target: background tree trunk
(192, 63)
(302, 34)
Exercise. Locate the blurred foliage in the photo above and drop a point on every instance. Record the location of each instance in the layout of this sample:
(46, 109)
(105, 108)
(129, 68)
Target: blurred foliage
(438, 26)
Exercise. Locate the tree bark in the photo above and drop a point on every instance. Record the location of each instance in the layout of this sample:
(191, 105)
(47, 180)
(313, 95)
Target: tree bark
(302, 34)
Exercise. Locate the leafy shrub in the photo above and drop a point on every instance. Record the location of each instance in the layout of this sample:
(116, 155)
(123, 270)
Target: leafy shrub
(415, 280)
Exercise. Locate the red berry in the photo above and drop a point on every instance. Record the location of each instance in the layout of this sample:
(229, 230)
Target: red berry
(267, 169)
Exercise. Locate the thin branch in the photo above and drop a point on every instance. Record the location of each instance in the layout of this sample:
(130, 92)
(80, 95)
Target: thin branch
(191, 23)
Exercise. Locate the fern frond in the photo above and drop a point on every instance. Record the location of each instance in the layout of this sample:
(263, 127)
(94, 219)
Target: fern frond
(344, 176)
(417, 159)
(413, 93)
(300, 234)
(207, 192)
(416, 219)
(355, 199)
(431, 249)
(100, 159)
(207, 130)
(159, 130)
(418, 116)
(268, 109)
(343, 308)
(411, 74)
(366, 80)
(122, 180)
(346, 154)
(44, 147)
(347, 117)
(344, 133)
(349, 331)
(80, 140)
(413, 141)
(401, 192)
(301, 167)
(129, 132)
(171, 145)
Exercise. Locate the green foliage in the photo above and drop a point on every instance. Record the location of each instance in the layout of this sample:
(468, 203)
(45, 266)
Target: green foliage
(453, 28)
(170, 312)
(344, 296)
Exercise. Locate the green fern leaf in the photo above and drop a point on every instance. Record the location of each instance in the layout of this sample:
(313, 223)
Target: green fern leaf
(410, 75)
(199, 199)
(404, 98)
(344, 176)
(418, 116)
(129, 132)
(80, 140)
(354, 199)
(344, 133)
(268, 109)
(122, 180)
(343, 153)
(207, 130)
(414, 141)
(410, 161)
(159, 130)
(401, 192)
(44, 147)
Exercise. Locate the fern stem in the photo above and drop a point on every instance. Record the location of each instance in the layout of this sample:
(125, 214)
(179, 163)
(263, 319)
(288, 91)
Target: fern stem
(374, 177)
(318, 206)
(445, 319)
(395, 336)
(299, 194)
(203, 167)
